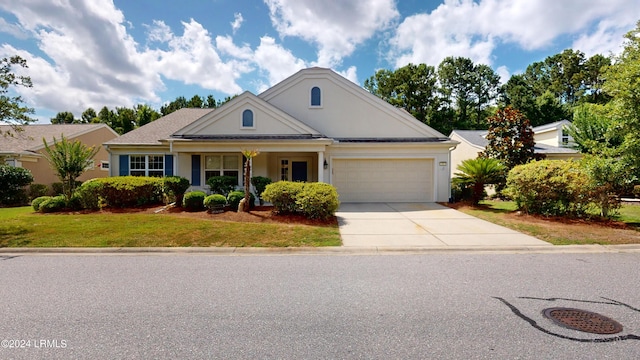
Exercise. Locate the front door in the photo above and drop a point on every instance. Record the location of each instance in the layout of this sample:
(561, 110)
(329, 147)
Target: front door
(299, 171)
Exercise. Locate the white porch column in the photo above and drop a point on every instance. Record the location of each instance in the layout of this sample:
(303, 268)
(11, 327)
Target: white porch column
(320, 166)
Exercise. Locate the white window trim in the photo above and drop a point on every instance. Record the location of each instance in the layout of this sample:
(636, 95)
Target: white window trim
(103, 167)
(242, 127)
(146, 164)
(310, 94)
(222, 169)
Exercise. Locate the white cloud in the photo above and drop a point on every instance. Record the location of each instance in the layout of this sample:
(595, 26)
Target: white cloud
(193, 59)
(237, 22)
(337, 27)
(90, 59)
(474, 29)
(276, 61)
(13, 29)
(504, 74)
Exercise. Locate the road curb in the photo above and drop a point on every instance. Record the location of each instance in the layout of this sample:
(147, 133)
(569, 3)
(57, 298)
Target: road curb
(334, 250)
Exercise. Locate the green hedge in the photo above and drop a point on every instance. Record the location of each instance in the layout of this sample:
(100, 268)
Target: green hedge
(222, 184)
(53, 204)
(318, 200)
(215, 202)
(121, 191)
(35, 203)
(313, 200)
(550, 187)
(234, 199)
(13, 181)
(38, 190)
(175, 186)
(194, 200)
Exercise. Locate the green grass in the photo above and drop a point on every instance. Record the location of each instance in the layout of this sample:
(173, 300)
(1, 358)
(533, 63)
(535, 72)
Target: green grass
(21, 227)
(555, 232)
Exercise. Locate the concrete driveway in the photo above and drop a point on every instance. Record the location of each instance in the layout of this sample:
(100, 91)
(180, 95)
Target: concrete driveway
(422, 225)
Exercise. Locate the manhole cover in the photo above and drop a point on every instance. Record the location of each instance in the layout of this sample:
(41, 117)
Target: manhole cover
(582, 320)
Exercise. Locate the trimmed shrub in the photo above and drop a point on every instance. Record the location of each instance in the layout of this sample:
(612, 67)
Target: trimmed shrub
(57, 188)
(260, 183)
(636, 191)
(175, 186)
(318, 201)
(283, 196)
(215, 202)
(35, 203)
(222, 184)
(130, 191)
(194, 200)
(89, 194)
(234, 199)
(53, 204)
(38, 190)
(313, 200)
(75, 202)
(12, 184)
(550, 187)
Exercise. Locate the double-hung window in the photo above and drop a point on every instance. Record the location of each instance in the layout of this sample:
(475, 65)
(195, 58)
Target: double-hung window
(146, 165)
(221, 165)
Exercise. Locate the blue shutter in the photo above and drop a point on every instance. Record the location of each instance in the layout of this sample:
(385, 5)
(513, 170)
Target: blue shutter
(168, 165)
(124, 165)
(195, 170)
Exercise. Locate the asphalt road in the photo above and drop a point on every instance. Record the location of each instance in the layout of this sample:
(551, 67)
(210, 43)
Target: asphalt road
(428, 306)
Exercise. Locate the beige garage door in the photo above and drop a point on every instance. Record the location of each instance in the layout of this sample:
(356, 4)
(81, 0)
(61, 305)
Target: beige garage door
(383, 180)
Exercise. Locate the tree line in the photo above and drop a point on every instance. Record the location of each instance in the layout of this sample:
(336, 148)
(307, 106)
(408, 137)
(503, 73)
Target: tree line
(459, 94)
(124, 119)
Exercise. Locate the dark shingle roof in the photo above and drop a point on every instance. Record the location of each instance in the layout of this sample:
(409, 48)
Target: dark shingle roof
(30, 138)
(474, 137)
(163, 128)
(477, 138)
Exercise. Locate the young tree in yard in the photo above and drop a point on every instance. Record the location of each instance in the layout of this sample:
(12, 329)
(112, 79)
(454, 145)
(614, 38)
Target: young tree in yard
(12, 110)
(510, 138)
(69, 159)
(248, 155)
(623, 84)
(477, 173)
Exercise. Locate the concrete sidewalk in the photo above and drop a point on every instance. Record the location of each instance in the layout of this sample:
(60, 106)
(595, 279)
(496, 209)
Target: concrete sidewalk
(422, 225)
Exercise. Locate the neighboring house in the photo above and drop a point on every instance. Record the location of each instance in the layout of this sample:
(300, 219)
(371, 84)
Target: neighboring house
(551, 140)
(25, 148)
(313, 126)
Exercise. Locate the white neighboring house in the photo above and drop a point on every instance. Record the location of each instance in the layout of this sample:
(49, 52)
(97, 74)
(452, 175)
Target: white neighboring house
(313, 126)
(551, 140)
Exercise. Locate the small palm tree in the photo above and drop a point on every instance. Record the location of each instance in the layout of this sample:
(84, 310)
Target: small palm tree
(477, 173)
(69, 159)
(248, 154)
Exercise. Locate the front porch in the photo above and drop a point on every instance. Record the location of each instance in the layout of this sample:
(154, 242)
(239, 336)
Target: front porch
(288, 166)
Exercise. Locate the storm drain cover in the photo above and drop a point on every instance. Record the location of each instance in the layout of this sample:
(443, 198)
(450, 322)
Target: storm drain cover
(582, 320)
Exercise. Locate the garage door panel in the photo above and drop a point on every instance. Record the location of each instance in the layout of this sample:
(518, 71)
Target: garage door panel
(380, 180)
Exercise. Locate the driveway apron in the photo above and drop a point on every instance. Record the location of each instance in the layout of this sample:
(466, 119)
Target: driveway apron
(421, 225)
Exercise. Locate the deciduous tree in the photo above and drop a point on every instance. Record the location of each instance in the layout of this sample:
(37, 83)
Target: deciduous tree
(12, 108)
(510, 138)
(69, 159)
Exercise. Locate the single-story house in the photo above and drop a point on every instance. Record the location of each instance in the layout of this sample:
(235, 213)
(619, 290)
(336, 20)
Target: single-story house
(25, 148)
(313, 126)
(551, 140)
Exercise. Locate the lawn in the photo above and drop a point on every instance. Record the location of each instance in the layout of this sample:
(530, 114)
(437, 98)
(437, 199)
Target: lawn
(21, 227)
(562, 231)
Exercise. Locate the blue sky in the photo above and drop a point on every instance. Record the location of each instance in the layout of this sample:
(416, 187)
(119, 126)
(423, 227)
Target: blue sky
(91, 53)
